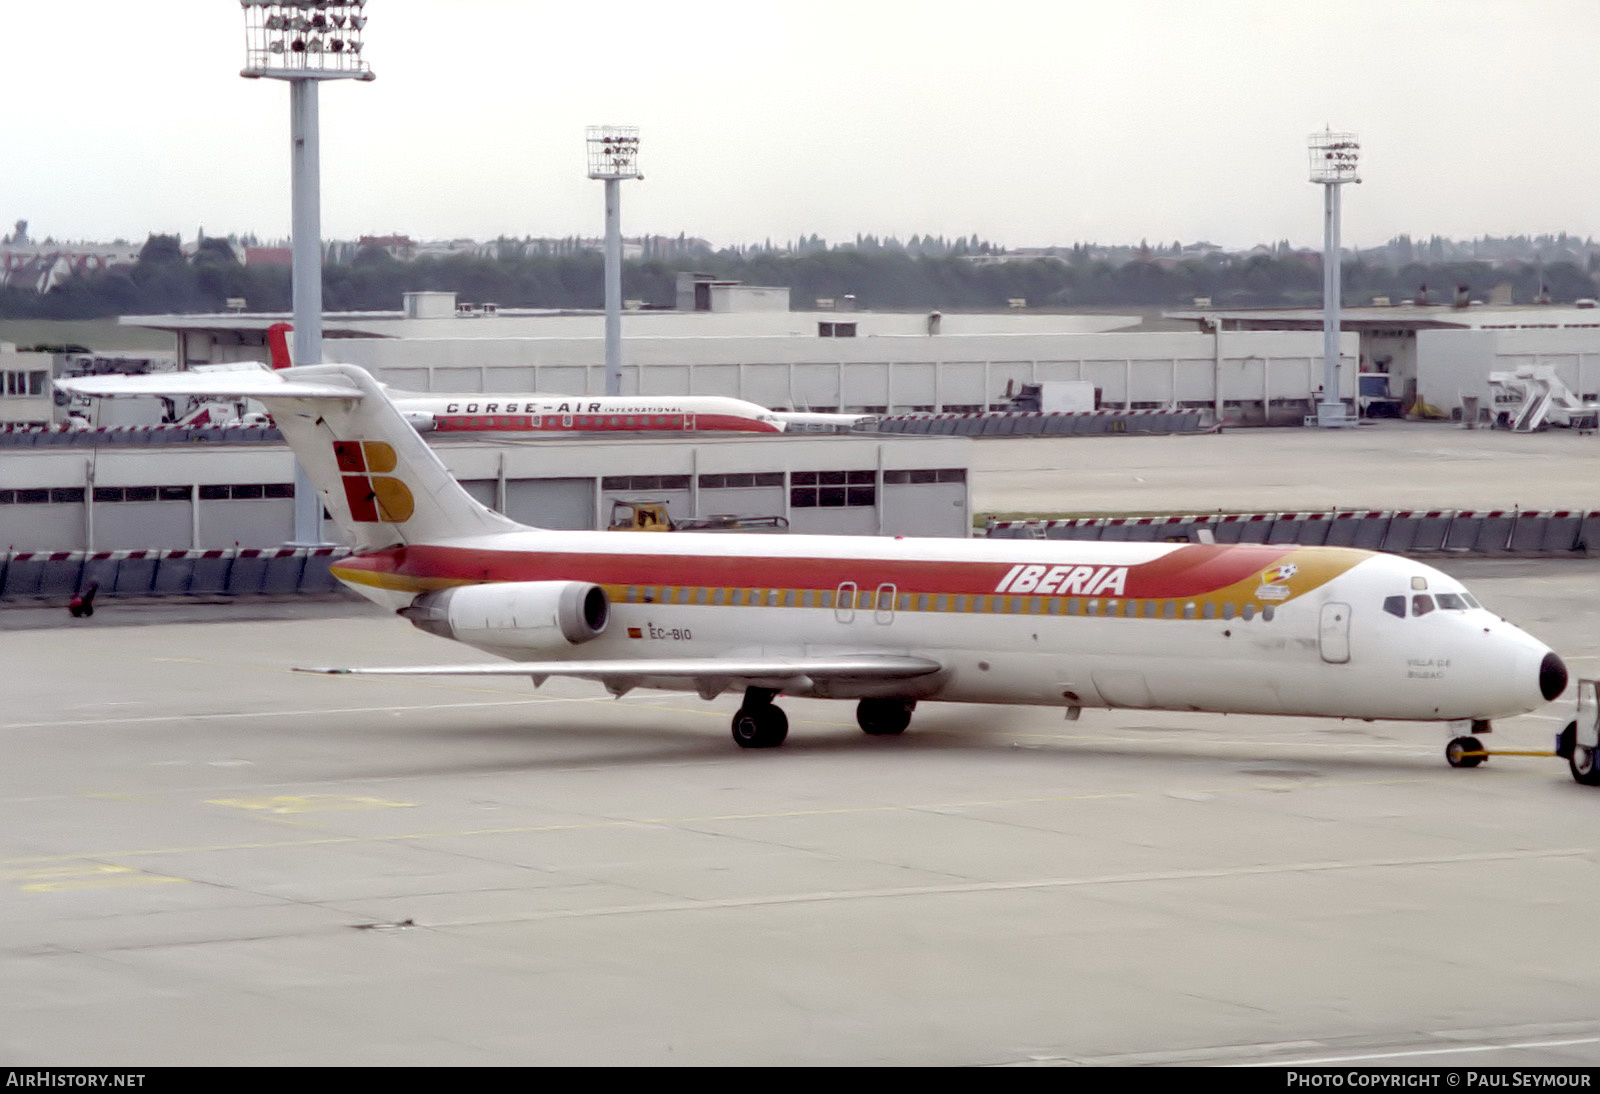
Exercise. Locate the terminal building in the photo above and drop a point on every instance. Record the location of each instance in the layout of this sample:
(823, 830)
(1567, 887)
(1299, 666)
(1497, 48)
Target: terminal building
(205, 497)
(1441, 353)
(859, 362)
(1247, 367)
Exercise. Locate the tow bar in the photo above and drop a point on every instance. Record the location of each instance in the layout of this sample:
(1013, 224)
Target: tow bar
(1578, 743)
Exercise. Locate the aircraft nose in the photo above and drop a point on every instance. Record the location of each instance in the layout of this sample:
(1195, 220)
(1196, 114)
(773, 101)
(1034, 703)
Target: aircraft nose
(1552, 677)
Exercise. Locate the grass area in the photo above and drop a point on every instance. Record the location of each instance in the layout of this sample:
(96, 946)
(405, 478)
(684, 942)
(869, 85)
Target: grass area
(101, 335)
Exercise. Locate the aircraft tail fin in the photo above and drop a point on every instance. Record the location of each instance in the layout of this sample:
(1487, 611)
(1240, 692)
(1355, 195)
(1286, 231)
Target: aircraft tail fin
(278, 344)
(377, 477)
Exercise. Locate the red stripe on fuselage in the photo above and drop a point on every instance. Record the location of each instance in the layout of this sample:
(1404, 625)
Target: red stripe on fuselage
(599, 423)
(1187, 571)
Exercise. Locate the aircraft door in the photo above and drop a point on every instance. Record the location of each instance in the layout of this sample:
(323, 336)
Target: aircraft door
(883, 610)
(1333, 634)
(844, 602)
(688, 422)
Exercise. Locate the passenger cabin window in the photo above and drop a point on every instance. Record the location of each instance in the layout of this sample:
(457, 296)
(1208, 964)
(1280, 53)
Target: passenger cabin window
(1421, 604)
(1395, 606)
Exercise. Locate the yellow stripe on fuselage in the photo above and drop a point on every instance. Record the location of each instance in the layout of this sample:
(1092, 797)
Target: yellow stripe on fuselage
(1314, 567)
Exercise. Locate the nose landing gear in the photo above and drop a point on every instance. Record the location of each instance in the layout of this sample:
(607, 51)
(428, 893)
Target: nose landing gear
(1465, 752)
(1469, 751)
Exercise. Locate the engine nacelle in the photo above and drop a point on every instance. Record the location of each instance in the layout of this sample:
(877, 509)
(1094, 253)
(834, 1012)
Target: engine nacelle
(522, 615)
(420, 420)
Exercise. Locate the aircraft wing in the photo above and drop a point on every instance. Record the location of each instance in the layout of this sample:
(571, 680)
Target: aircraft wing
(237, 382)
(711, 675)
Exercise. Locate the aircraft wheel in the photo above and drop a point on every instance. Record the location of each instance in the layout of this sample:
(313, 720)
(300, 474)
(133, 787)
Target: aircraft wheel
(1453, 752)
(884, 717)
(762, 726)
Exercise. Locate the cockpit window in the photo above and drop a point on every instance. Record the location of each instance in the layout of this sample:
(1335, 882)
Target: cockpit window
(1421, 604)
(1395, 606)
(1471, 603)
(1452, 603)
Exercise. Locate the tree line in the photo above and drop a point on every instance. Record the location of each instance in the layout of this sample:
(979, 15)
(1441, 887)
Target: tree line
(164, 280)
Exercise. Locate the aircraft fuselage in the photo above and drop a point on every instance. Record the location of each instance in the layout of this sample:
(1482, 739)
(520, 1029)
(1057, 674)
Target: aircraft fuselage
(1245, 628)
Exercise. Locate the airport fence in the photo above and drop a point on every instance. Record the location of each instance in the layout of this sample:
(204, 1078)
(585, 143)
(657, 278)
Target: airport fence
(1038, 424)
(137, 436)
(54, 575)
(1529, 533)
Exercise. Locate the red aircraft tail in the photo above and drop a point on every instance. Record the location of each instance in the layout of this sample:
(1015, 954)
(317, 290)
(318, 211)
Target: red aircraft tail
(278, 344)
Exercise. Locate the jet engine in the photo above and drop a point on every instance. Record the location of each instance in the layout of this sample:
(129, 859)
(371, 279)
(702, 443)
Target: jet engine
(420, 420)
(520, 615)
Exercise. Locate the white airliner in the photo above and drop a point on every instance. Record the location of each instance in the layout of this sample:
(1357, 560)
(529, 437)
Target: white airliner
(602, 414)
(491, 413)
(1257, 629)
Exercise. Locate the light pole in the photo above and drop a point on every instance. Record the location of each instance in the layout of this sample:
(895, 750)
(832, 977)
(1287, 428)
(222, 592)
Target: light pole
(304, 43)
(614, 156)
(1334, 158)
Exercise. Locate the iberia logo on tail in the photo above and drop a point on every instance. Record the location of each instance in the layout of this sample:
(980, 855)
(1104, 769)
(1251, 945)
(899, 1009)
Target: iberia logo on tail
(374, 497)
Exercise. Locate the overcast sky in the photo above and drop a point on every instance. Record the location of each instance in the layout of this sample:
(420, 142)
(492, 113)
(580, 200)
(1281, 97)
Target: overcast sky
(1028, 123)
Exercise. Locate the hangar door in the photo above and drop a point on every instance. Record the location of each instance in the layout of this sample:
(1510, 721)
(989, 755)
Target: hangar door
(552, 503)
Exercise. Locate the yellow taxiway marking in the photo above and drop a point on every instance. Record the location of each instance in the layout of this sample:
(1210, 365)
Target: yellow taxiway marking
(640, 822)
(83, 875)
(314, 803)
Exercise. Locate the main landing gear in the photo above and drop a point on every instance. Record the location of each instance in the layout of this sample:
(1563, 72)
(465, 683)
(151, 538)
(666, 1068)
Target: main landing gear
(884, 717)
(759, 724)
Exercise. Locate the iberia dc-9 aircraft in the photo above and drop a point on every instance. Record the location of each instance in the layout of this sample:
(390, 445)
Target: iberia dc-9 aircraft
(888, 622)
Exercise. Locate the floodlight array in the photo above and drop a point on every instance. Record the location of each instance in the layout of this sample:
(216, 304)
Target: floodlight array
(614, 152)
(311, 39)
(1335, 157)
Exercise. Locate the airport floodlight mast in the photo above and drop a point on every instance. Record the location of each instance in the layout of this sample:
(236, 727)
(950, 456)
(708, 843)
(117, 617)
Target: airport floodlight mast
(1334, 160)
(614, 156)
(304, 43)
